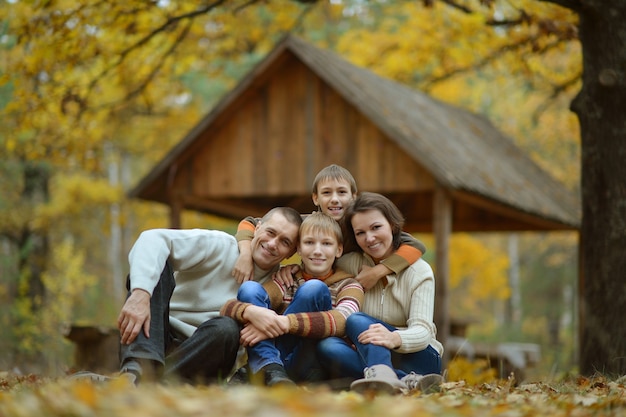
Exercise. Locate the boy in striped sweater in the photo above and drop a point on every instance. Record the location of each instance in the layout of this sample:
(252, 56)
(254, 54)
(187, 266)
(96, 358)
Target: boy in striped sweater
(282, 324)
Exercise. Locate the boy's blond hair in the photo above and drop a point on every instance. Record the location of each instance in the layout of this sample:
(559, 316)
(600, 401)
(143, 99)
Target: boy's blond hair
(319, 222)
(334, 172)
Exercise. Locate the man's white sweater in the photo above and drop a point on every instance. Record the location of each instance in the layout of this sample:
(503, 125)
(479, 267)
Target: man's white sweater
(202, 261)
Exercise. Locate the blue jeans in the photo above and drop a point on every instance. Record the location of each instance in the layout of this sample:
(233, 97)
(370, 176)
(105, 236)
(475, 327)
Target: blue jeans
(208, 355)
(343, 360)
(297, 354)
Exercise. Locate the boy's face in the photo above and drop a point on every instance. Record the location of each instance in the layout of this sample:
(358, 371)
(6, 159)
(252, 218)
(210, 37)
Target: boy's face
(318, 252)
(333, 196)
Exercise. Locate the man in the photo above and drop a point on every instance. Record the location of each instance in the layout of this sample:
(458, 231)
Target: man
(179, 279)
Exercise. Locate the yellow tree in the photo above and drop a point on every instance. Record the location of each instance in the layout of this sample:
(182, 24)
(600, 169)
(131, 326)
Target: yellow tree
(87, 86)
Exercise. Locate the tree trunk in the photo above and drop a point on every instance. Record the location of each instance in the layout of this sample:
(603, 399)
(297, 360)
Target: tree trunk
(600, 108)
(34, 245)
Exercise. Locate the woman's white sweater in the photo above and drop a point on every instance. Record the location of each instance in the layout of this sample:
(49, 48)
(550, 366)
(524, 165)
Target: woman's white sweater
(405, 301)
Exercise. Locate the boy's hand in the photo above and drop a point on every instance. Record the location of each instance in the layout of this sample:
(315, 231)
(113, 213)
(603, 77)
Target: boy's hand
(244, 266)
(369, 276)
(285, 275)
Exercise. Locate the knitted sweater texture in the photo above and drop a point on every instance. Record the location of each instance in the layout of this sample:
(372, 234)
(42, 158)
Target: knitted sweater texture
(405, 301)
(346, 296)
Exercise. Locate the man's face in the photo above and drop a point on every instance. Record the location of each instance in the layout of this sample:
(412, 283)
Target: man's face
(274, 240)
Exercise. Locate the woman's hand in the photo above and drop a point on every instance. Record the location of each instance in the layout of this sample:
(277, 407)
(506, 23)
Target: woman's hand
(379, 335)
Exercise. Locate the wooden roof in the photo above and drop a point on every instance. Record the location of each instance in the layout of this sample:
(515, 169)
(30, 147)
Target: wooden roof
(423, 143)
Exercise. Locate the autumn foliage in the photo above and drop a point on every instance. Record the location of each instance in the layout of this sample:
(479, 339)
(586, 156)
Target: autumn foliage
(92, 94)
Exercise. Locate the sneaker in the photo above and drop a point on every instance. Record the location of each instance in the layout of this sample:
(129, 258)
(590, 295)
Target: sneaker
(427, 384)
(379, 378)
(100, 378)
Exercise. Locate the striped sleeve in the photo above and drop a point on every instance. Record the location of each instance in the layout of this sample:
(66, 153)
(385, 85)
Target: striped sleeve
(317, 325)
(408, 253)
(234, 309)
(246, 228)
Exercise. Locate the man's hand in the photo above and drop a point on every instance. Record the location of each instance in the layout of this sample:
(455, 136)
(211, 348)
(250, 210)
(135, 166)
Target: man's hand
(244, 266)
(285, 274)
(379, 335)
(135, 316)
(368, 276)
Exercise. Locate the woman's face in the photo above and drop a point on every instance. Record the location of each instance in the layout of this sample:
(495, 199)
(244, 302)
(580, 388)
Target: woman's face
(373, 233)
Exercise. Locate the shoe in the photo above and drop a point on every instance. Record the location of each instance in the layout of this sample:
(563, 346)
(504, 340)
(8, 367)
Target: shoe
(379, 378)
(240, 377)
(427, 384)
(99, 378)
(275, 375)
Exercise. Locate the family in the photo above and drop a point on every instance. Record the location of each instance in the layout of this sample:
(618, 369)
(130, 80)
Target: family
(204, 306)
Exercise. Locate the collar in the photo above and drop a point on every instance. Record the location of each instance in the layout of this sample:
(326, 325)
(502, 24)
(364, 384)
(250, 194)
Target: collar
(309, 276)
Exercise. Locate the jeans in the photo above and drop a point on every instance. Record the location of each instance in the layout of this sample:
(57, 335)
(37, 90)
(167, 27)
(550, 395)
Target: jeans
(209, 354)
(297, 354)
(343, 360)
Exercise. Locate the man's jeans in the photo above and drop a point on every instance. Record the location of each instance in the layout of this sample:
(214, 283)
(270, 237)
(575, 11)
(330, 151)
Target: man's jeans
(342, 360)
(208, 355)
(295, 353)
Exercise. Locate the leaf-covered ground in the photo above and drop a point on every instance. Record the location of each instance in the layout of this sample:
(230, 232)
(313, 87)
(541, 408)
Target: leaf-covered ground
(33, 396)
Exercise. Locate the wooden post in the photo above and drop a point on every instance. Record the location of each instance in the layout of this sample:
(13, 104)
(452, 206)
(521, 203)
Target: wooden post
(442, 227)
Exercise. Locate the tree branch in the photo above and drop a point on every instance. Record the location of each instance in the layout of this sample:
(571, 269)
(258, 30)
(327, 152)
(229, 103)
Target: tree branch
(574, 5)
(557, 90)
(170, 22)
(458, 6)
(481, 63)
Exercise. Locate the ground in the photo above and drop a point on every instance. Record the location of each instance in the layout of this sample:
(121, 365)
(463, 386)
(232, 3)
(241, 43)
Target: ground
(36, 396)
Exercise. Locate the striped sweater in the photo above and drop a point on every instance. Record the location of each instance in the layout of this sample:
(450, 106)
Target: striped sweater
(346, 295)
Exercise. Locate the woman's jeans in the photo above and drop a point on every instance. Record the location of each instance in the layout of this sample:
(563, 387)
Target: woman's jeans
(209, 354)
(343, 360)
(297, 354)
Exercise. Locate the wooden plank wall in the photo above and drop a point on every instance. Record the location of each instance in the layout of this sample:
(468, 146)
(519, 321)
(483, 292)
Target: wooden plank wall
(279, 134)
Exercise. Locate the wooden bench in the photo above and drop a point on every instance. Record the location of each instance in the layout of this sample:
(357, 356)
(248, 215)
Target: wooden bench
(505, 358)
(96, 348)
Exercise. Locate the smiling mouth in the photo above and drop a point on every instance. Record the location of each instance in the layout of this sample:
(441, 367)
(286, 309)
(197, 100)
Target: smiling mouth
(269, 252)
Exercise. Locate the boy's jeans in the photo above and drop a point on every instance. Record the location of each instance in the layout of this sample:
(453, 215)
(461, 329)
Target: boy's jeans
(296, 354)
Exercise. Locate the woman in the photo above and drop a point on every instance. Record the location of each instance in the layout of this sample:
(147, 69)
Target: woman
(392, 343)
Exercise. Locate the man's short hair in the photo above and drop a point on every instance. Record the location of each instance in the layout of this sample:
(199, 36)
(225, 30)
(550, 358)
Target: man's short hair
(292, 215)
